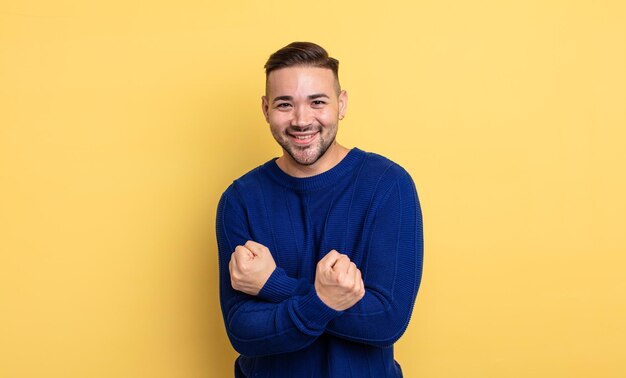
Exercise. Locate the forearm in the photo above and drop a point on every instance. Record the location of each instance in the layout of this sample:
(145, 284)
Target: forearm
(258, 328)
(280, 287)
(286, 316)
(378, 318)
(392, 270)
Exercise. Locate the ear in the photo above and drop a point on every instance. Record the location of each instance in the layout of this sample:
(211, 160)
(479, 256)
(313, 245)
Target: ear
(343, 104)
(265, 108)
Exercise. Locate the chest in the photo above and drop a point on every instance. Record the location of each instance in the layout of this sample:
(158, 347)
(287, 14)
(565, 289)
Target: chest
(301, 228)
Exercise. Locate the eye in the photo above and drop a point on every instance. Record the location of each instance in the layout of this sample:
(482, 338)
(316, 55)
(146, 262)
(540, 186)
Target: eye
(283, 105)
(318, 103)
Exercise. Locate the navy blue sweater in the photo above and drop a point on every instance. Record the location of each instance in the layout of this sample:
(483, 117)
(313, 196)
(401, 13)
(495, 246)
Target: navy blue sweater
(365, 207)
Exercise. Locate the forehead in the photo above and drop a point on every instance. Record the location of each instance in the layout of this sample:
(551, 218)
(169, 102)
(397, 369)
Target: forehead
(300, 80)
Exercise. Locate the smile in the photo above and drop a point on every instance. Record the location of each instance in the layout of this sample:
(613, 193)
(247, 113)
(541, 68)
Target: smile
(303, 139)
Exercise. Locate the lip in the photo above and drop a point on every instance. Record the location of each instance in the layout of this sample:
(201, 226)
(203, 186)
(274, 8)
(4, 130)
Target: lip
(303, 142)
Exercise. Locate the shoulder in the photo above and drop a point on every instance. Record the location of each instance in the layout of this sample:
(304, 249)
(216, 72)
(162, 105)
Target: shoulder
(251, 179)
(386, 172)
(388, 184)
(251, 187)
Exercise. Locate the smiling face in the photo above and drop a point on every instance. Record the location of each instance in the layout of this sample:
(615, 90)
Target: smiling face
(303, 107)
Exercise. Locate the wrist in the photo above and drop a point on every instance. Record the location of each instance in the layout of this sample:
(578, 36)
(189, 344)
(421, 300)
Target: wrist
(279, 287)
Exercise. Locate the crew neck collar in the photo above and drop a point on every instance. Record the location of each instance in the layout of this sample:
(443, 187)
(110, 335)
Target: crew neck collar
(324, 179)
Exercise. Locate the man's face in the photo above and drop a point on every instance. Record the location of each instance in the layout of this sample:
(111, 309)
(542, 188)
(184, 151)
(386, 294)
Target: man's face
(303, 109)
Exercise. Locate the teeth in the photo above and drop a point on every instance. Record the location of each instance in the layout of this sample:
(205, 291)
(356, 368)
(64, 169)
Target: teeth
(303, 137)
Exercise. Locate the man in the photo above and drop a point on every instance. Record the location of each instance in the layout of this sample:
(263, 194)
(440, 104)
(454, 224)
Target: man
(320, 250)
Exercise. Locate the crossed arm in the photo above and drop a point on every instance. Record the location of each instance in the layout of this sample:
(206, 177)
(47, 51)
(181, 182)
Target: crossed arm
(268, 312)
(338, 282)
(265, 311)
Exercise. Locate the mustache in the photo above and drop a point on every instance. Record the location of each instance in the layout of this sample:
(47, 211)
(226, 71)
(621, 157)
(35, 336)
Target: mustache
(303, 129)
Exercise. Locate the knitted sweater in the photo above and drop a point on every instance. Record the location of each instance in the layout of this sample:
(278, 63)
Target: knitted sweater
(365, 207)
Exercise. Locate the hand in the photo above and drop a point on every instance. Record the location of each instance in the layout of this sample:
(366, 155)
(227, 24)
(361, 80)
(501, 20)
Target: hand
(338, 281)
(250, 266)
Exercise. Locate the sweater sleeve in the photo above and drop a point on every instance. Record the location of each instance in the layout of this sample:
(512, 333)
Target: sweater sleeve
(391, 273)
(287, 317)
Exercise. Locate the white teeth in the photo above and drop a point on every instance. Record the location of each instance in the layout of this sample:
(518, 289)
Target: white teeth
(303, 137)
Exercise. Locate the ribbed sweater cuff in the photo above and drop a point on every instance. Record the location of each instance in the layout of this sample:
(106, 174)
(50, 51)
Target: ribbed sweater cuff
(278, 287)
(314, 313)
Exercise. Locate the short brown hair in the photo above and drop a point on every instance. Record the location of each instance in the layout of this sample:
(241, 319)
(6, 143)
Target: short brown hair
(306, 54)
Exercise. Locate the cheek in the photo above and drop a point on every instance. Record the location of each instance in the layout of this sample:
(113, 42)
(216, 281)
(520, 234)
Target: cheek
(328, 119)
(278, 118)
(277, 124)
(328, 114)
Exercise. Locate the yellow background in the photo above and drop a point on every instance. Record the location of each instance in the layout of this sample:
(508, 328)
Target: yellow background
(121, 123)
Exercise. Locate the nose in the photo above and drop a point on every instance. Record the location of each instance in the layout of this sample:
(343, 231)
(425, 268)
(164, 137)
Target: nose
(302, 116)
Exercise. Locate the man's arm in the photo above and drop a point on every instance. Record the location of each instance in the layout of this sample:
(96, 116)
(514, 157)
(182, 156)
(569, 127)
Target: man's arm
(250, 266)
(392, 270)
(338, 281)
(257, 326)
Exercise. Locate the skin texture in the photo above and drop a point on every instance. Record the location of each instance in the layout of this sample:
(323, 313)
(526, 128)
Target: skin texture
(303, 102)
(338, 281)
(303, 107)
(250, 266)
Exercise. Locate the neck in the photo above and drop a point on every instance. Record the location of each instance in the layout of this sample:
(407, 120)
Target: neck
(333, 155)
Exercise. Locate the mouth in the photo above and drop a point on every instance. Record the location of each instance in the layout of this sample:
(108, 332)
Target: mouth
(303, 139)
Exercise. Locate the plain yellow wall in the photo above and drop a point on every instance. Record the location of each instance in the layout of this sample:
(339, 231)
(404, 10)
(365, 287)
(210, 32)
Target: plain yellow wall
(121, 123)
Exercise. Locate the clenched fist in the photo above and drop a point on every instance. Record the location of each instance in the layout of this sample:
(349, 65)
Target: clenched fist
(338, 281)
(250, 267)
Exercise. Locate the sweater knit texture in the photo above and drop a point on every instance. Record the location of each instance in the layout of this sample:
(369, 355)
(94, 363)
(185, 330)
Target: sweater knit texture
(365, 207)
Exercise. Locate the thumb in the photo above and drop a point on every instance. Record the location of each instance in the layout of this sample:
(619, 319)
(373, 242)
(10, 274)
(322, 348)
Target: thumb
(330, 259)
(256, 248)
(242, 252)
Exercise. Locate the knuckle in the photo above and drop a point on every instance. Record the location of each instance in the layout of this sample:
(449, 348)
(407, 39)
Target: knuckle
(339, 278)
(244, 268)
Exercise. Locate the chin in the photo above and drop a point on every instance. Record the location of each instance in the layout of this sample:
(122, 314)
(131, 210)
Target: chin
(306, 160)
(308, 156)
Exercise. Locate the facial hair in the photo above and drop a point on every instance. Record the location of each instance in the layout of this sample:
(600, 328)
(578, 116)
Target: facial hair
(311, 153)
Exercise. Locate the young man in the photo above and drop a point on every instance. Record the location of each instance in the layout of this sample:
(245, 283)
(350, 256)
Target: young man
(320, 250)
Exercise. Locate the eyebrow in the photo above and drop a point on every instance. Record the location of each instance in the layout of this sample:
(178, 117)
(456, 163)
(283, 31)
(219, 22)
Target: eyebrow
(290, 98)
